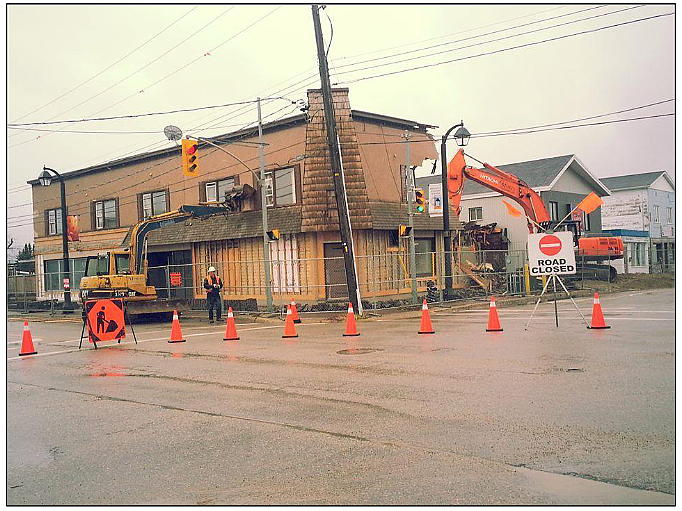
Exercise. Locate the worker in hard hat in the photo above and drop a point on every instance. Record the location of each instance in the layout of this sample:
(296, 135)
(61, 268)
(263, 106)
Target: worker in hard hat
(213, 284)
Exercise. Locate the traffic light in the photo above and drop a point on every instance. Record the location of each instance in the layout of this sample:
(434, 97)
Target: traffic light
(273, 234)
(404, 230)
(420, 200)
(190, 157)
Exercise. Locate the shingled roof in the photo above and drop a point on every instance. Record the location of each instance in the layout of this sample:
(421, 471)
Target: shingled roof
(630, 181)
(225, 227)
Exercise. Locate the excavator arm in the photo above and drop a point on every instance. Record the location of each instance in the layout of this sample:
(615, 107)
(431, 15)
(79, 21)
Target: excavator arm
(499, 181)
(142, 229)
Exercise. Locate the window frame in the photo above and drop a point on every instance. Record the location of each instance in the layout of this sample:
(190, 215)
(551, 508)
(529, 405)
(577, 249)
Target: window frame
(296, 185)
(432, 241)
(101, 202)
(670, 214)
(554, 211)
(476, 208)
(203, 187)
(57, 219)
(151, 193)
(657, 214)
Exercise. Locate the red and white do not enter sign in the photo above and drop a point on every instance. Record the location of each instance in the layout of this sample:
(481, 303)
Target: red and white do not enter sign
(551, 253)
(550, 245)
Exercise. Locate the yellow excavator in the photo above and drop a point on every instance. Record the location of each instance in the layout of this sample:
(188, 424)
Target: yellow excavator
(123, 273)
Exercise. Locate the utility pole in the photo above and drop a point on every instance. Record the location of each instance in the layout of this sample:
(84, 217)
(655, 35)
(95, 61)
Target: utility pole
(337, 168)
(409, 178)
(264, 212)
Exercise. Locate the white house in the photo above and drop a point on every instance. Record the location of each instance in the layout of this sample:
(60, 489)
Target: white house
(641, 209)
(561, 181)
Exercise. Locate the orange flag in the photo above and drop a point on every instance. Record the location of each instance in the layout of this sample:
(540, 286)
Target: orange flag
(511, 209)
(590, 203)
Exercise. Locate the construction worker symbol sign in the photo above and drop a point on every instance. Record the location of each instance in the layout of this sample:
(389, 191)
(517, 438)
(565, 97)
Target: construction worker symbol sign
(105, 320)
(551, 254)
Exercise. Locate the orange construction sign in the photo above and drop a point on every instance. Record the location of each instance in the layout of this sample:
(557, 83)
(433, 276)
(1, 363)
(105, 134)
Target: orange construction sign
(105, 320)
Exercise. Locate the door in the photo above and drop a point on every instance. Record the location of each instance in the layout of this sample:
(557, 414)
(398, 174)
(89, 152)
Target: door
(334, 271)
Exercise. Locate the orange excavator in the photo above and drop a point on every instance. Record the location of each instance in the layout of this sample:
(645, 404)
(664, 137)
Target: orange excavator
(593, 249)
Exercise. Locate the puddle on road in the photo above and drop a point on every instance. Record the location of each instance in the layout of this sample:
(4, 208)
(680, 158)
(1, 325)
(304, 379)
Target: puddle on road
(357, 351)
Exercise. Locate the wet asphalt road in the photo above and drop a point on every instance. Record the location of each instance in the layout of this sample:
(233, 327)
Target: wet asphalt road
(547, 416)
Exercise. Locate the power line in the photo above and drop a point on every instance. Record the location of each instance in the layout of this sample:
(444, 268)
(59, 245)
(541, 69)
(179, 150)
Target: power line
(502, 50)
(139, 171)
(189, 62)
(473, 37)
(453, 33)
(534, 31)
(132, 116)
(490, 134)
(108, 67)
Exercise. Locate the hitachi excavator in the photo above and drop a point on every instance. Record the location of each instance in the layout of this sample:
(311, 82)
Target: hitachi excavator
(588, 250)
(123, 273)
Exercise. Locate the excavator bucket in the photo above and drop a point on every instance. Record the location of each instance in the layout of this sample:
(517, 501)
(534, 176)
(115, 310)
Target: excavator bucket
(456, 180)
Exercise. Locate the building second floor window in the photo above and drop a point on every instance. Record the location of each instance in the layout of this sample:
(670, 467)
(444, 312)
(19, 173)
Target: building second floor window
(554, 211)
(154, 203)
(53, 220)
(280, 187)
(586, 222)
(670, 215)
(106, 214)
(216, 190)
(657, 218)
(475, 214)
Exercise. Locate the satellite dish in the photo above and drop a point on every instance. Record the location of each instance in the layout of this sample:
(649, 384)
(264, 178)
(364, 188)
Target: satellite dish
(172, 133)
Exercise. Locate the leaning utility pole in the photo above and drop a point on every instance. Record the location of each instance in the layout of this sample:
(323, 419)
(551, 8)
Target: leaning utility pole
(337, 168)
(264, 213)
(409, 178)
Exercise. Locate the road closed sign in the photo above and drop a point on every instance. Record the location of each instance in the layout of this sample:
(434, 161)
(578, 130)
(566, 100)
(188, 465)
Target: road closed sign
(551, 254)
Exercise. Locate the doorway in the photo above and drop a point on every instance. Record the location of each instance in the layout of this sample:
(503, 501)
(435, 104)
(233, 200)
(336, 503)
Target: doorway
(334, 271)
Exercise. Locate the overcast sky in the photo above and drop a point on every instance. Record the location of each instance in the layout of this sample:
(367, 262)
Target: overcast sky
(233, 53)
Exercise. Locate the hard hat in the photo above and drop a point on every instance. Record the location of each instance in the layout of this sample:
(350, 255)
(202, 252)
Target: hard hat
(211, 268)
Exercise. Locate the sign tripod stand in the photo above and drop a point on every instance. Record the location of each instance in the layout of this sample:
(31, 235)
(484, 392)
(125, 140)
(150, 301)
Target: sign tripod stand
(553, 278)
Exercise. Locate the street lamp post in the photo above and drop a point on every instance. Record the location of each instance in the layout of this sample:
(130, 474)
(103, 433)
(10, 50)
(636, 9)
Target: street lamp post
(462, 136)
(45, 180)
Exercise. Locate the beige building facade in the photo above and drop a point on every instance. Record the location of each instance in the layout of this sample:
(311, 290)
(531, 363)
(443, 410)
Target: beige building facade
(111, 198)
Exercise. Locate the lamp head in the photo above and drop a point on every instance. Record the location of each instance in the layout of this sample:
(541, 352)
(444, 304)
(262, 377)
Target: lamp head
(462, 136)
(45, 178)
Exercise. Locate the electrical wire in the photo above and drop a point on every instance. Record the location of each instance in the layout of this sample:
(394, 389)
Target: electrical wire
(534, 31)
(544, 20)
(140, 171)
(502, 50)
(133, 116)
(488, 134)
(108, 67)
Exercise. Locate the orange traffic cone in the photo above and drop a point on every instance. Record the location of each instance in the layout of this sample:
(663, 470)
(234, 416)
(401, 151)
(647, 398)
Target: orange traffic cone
(176, 331)
(230, 328)
(597, 315)
(289, 327)
(493, 318)
(27, 342)
(426, 326)
(294, 312)
(351, 327)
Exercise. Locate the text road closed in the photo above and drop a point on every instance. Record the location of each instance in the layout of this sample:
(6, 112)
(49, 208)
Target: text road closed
(551, 254)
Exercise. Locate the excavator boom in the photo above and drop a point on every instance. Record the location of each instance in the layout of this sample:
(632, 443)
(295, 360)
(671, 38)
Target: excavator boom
(497, 180)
